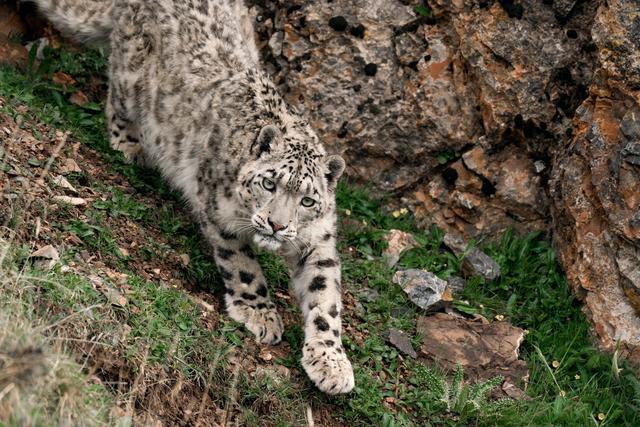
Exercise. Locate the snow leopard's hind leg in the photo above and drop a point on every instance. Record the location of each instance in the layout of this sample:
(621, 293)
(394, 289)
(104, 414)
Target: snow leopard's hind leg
(124, 134)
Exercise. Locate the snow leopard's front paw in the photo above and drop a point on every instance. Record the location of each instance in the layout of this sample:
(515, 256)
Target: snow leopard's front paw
(265, 323)
(327, 366)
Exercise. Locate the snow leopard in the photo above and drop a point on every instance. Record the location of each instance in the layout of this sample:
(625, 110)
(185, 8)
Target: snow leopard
(188, 96)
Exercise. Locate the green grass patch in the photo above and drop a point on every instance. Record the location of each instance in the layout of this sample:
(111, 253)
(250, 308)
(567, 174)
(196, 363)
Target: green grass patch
(532, 293)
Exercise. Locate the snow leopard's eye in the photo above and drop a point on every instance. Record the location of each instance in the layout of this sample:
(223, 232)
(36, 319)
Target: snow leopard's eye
(268, 184)
(307, 202)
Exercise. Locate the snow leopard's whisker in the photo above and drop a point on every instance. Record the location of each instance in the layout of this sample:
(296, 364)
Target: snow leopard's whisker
(242, 225)
(307, 245)
(244, 228)
(295, 246)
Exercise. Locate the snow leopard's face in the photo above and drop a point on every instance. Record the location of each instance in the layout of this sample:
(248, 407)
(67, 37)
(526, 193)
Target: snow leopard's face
(286, 189)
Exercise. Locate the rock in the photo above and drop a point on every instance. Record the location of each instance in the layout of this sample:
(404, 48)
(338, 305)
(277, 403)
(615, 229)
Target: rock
(410, 96)
(409, 48)
(277, 373)
(368, 294)
(454, 242)
(398, 241)
(401, 341)
(401, 311)
(11, 25)
(456, 284)
(425, 289)
(512, 391)
(475, 262)
(595, 186)
(408, 91)
(483, 350)
(275, 43)
(562, 8)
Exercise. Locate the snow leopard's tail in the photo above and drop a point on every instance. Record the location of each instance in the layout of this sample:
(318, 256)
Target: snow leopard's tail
(84, 20)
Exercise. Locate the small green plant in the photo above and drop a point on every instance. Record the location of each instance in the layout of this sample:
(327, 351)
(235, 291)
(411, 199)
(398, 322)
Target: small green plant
(423, 11)
(121, 204)
(458, 397)
(446, 156)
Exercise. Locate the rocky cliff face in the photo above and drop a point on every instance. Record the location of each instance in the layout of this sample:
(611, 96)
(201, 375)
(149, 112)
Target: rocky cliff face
(486, 115)
(595, 184)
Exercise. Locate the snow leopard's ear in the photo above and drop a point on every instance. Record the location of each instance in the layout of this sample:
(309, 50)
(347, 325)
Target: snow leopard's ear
(335, 167)
(265, 140)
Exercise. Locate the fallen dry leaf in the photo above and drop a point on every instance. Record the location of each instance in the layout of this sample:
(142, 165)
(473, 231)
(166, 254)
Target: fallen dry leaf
(113, 295)
(62, 79)
(266, 356)
(78, 98)
(185, 260)
(61, 181)
(45, 257)
(69, 166)
(116, 276)
(75, 201)
(46, 252)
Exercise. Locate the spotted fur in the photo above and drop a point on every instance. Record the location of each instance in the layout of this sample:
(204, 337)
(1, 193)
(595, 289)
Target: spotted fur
(187, 95)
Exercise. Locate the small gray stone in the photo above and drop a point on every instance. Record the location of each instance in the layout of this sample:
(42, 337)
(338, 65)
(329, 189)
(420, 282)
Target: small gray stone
(275, 43)
(401, 311)
(423, 288)
(563, 7)
(401, 341)
(409, 48)
(368, 294)
(539, 166)
(455, 243)
(477, 263)
(456, 284)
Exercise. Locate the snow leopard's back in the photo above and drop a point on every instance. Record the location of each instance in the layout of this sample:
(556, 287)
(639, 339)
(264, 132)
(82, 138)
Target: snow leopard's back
(210, 26)
(197, 37)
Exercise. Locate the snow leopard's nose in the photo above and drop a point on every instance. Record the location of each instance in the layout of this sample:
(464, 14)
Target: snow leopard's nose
(275, 226)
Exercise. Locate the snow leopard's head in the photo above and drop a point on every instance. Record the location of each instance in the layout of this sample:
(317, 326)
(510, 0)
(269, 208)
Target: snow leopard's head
(290, 185)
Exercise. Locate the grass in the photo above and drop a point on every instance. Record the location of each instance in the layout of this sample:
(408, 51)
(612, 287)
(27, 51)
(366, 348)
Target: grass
(40, 384)
(160, 328)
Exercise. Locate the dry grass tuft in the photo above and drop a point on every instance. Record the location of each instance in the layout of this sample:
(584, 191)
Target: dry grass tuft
(39, 383)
